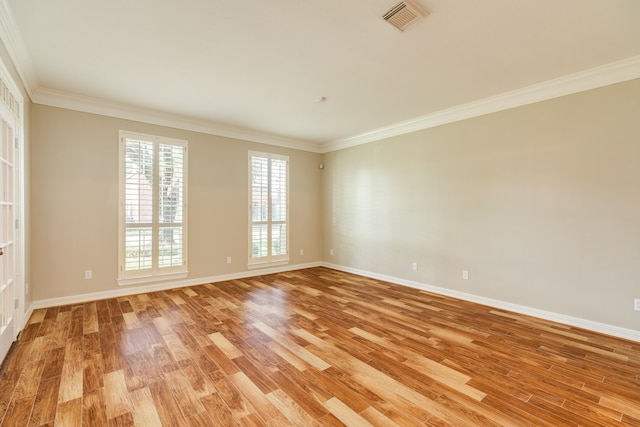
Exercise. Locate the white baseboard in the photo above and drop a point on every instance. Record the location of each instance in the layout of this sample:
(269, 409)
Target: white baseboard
(124, 291)
(27, 316)
(603, 328)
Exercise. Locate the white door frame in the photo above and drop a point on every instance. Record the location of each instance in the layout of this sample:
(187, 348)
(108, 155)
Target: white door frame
(19, 195)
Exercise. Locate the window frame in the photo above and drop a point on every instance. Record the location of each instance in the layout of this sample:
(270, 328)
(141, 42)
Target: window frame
(156, 272)
(269, 260)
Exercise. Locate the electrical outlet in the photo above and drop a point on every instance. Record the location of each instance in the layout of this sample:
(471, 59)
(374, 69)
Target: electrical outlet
(88, 274)
(414, 266)
(228, 260)
(301, 251)
(465, 275)
(636, 304)
(330, 251)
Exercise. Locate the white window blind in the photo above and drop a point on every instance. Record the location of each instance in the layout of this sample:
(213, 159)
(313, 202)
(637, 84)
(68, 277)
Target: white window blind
(268, 208)
(152, 206)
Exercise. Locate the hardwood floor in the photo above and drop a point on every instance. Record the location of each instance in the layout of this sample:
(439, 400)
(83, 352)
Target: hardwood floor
(314, 347)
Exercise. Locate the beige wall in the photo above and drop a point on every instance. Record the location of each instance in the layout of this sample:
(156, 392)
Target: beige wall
(541, 204)
(75, 201)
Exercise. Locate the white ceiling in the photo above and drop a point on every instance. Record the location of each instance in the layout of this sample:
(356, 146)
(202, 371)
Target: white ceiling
(257, 67)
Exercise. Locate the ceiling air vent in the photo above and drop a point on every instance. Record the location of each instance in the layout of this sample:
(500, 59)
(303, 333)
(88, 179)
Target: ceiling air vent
(403, 14)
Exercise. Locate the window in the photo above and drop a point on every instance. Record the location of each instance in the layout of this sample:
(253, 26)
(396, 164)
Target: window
(153, 207)
(268, 208)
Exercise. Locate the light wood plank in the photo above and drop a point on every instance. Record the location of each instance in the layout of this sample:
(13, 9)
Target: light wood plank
(145, 413)
(116, 395)
(69, 414)
(346, 414)
(225, 345)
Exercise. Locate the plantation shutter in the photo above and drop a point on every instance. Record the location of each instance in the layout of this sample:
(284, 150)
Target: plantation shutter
(152, 206)
(269, 208)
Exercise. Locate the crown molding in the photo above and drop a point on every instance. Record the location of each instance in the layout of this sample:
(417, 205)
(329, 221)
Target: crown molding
(616, 72)
(12, 40)
(85, 104)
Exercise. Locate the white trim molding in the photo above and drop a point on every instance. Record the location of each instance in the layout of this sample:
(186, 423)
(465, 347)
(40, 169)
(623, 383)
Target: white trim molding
(616, 72)
(603, 328)
(102, 107)
(10, 36)
(12, 112)
(162, 286)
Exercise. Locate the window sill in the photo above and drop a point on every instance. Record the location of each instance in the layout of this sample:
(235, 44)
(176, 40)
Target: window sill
(267, 264)
(152, 279)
